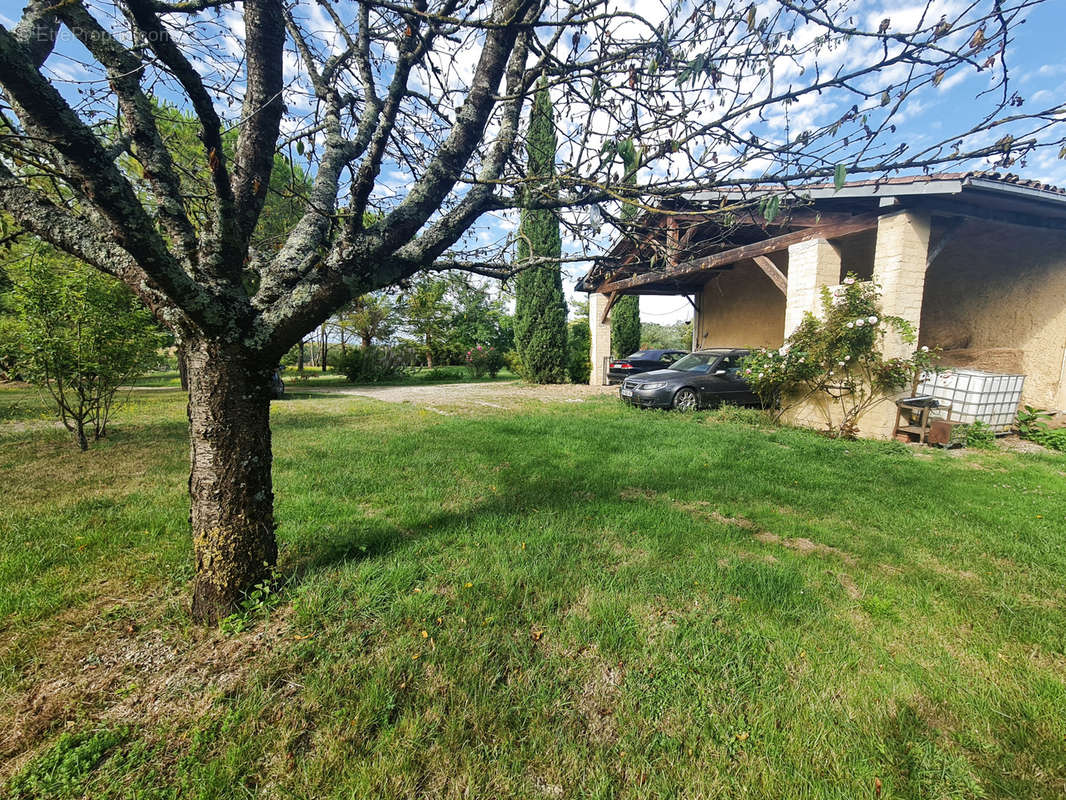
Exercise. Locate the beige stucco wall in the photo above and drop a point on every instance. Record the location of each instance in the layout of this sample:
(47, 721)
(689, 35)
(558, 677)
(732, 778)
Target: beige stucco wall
(995, 299)
(741, 307)
(877, 423)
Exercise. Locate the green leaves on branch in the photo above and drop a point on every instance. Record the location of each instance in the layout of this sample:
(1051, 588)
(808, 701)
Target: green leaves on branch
(769, 207)
(840, 176)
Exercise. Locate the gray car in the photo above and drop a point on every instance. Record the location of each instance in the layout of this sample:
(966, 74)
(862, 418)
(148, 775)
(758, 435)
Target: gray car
(706, 378)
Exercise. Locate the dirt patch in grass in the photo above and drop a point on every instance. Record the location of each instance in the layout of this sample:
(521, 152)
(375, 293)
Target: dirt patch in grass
(450, 396)
(706, 510)
(806, 546)
(949, 572)
(122, 675)
(635, 493)
(1016, 444)
(599, 698)
(850, 587)
(626, 555)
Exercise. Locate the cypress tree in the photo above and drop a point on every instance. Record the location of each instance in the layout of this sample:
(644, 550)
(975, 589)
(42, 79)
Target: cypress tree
(540, 309)
(625, 315)
(625, 325)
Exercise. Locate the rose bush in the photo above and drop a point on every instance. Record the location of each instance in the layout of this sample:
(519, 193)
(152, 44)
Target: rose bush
(839, 356)
(481, 360)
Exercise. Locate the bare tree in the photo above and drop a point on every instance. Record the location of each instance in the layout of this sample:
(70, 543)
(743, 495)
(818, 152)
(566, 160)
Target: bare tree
(407, 115)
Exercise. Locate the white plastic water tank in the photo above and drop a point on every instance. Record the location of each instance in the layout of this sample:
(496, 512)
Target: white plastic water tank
(990, 397)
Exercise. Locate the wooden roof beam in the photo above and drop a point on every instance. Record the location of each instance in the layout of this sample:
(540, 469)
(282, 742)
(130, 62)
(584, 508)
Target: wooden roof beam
(855, 224)
(772, 272)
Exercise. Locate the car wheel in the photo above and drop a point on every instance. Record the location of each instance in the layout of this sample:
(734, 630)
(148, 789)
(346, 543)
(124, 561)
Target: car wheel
(685, 400)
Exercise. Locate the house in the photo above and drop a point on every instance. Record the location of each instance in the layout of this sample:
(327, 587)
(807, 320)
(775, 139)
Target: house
(975, 261)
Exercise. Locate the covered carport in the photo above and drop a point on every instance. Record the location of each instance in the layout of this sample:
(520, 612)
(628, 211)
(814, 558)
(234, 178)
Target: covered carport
(975, 262)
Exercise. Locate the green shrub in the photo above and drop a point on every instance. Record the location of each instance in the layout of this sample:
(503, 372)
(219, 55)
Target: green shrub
(577, 343)
(370, 364)
(442, 374)
(78, 335)
(1031, 420)
(1032, 426)
(980, 435)
(1053, 438)
(481, 360)
(625, 326)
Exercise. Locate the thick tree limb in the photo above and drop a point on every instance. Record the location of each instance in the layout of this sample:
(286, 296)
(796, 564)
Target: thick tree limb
(100, 181)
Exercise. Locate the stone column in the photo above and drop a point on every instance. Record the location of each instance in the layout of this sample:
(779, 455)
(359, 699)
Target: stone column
(811, 265)
(899, 269)
(600, 345)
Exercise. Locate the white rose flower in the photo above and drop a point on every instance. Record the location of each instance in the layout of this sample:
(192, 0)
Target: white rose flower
(850, 325)
(847, 358)
(859, 323)
(872, 320)
(925, 348)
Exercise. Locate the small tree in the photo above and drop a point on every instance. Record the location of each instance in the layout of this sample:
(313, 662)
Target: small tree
(372, 317)
(838, 356)
(625, 325)
(426, 313)
(79, 335)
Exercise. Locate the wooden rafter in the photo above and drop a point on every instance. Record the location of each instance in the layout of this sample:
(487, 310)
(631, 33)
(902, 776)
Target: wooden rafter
(767, 265)
(855, 224)
(951, 228)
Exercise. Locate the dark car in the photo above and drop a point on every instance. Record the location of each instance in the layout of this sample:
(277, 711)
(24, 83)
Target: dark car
(641, 361)
(701, 379)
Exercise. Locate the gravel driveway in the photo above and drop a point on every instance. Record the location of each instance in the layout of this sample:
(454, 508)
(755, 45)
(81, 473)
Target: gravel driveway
(502, 394)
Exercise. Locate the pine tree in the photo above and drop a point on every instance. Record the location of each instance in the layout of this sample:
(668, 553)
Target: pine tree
(540, 309)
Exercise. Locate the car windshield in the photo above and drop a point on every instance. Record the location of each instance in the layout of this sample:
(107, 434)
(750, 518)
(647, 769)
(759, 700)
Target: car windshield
(696, 362)
(638, 354)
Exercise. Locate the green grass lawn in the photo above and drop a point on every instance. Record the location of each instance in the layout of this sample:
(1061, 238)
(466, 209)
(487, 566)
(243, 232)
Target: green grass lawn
(567, 601)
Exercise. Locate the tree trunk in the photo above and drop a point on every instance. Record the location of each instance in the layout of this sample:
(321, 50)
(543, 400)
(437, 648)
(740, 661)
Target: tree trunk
(325, 348)
(232, 503)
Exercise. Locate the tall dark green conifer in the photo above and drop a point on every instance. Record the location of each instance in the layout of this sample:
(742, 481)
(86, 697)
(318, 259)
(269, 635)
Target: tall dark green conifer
(625, 315)
(625, 325)
(540, 309)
